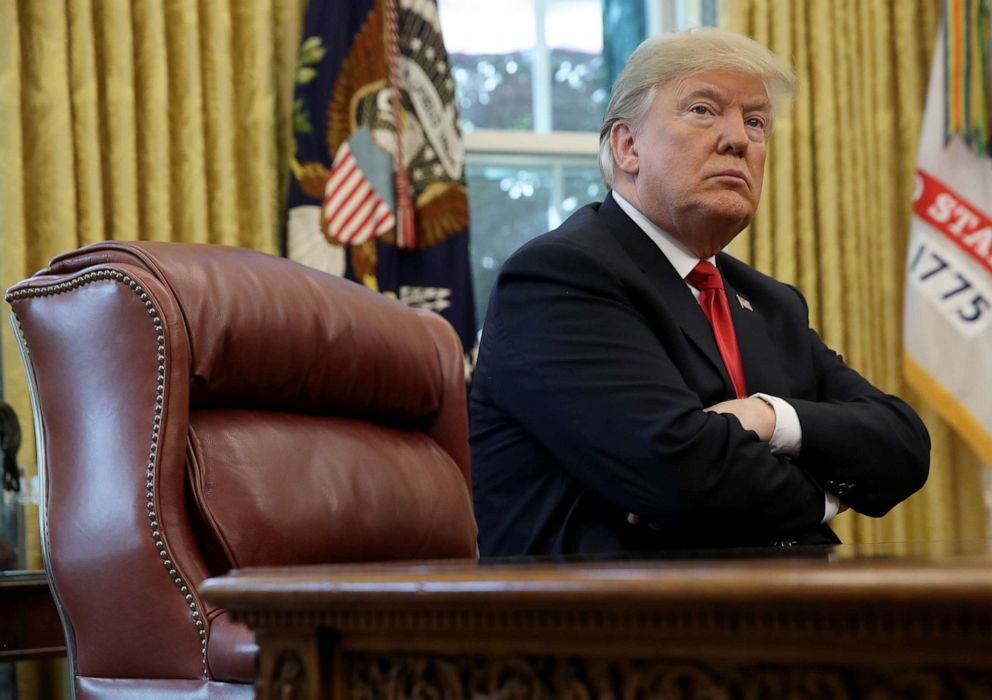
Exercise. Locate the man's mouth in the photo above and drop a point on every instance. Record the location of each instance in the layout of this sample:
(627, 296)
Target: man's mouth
(737, 174)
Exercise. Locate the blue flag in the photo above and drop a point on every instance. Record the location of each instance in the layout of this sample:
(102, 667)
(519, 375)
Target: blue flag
(377, 192)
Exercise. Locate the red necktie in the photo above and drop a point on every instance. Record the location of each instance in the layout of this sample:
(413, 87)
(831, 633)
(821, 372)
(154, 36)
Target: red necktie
(706, 278)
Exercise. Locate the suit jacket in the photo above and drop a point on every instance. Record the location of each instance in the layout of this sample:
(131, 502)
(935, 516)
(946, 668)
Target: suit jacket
(595, 365)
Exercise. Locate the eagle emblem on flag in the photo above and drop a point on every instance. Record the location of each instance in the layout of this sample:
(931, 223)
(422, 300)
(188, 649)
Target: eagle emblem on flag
(392, 132)
(377, 189)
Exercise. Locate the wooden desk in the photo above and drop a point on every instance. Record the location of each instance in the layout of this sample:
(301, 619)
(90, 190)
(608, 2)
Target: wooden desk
(821, 627)
(29, 622)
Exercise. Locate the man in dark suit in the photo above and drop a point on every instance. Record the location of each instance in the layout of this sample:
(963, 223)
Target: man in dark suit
(623, 401)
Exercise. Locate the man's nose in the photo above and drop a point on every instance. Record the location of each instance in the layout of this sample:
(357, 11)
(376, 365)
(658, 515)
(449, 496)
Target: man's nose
(733, 135)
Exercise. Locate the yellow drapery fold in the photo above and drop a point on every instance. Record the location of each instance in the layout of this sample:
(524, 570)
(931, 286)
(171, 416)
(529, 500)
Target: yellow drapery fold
(137, 120)
(835, 213)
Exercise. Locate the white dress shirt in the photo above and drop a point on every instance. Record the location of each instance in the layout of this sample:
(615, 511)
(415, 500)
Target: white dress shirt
(787, 436)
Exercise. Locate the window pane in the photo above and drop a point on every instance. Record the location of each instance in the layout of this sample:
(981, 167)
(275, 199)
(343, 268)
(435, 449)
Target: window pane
(515, 198)
(490, 46)
(581, 186)
(548, 64)
(527, 64)
(579, 90)
(508, 206)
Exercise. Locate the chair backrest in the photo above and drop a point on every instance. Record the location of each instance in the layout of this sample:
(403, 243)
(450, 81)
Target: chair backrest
(201, 408)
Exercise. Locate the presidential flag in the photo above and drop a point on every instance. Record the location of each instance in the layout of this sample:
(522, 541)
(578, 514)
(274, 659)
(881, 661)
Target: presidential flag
(948, 301)
(377, 192)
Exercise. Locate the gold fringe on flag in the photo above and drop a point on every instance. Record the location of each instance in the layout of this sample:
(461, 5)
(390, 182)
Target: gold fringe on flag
(968, 73)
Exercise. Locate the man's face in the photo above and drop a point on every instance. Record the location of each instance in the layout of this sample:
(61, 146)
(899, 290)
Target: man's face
(697, 158)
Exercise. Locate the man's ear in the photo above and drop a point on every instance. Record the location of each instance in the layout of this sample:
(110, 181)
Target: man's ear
(624, 148)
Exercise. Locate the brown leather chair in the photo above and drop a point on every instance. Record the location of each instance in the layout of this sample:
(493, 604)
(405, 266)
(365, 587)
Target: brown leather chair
(202, 408)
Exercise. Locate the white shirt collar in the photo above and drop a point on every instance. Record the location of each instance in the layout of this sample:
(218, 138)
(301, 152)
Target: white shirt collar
(678, 255)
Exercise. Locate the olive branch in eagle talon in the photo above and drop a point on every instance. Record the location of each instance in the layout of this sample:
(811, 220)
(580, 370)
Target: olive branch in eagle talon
(311, 53)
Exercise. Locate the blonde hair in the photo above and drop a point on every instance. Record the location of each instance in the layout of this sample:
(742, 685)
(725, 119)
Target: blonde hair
(663, 58)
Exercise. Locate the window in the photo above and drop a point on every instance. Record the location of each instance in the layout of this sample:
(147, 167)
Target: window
(532, 81)
(513, 198)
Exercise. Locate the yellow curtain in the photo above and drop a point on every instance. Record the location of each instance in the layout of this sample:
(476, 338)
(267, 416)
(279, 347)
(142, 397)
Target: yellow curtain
(836, 209)
(137, 120)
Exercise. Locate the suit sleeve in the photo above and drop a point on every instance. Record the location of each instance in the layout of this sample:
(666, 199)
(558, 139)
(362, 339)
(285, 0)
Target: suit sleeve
(588, 376)
(867, 447)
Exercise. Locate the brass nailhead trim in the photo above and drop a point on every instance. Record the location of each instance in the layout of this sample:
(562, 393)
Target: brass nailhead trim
(153, 313)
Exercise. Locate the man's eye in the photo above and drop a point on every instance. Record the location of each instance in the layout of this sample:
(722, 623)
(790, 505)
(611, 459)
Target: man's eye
(699, 109)
(755, 122)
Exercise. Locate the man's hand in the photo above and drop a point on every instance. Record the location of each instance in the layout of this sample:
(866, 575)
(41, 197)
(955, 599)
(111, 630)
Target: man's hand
(753, 413)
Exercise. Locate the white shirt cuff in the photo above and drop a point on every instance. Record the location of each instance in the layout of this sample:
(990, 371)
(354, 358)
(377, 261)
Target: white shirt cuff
(831, 507)
(787, 438)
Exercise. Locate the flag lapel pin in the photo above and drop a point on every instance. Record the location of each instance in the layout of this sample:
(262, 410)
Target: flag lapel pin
(745, 304)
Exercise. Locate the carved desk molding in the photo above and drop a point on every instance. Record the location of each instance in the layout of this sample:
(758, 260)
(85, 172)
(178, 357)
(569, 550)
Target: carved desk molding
(804, 627)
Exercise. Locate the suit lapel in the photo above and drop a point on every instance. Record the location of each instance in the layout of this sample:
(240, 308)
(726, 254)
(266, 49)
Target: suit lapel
(676, 296)
(761, 371)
